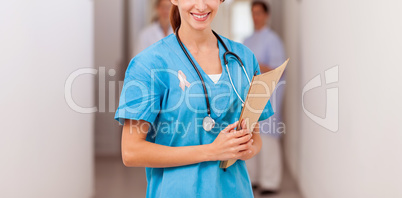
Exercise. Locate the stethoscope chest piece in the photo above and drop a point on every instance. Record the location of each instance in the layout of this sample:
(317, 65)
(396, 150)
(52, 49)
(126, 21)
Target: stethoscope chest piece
(208, 123)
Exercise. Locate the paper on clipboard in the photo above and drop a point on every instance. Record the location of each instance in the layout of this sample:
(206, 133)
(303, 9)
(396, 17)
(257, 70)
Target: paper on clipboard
(261, 89)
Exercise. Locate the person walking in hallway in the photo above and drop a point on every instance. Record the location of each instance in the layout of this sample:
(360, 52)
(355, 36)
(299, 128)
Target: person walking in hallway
(266, 168)
(158, 30)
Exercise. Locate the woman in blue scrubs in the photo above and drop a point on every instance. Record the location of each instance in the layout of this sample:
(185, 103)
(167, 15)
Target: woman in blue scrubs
(163, 104)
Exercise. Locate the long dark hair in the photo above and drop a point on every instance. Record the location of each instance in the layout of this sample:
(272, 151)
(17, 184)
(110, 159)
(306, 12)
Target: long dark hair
(175, 20)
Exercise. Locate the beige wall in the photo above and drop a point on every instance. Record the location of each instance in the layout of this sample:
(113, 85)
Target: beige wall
(141, 15)
(292, 105)
(276, 19)
(46, 147)
(363, 37)
(114, 40)
(109, 55)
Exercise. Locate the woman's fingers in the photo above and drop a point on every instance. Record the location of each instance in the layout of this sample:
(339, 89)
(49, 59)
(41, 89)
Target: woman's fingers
(244, 139)
(245, 146)
(243, 153)
(244, 124)
(230, 127)
(241, 133)
(237, 143)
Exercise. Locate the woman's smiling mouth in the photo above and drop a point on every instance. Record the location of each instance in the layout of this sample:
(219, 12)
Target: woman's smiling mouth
(200, 17)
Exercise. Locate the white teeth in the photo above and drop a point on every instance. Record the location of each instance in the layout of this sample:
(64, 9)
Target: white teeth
(200, 16)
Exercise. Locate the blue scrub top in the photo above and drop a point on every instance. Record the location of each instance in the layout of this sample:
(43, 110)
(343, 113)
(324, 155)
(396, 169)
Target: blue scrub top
(162, 87)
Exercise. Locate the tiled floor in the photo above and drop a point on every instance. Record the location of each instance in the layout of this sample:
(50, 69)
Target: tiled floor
(114, 180)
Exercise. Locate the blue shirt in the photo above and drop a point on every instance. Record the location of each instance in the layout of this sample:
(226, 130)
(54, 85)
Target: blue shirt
(267, 47)
(162, 87)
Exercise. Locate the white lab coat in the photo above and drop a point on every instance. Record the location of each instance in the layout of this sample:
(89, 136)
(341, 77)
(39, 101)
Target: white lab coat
(149, 36)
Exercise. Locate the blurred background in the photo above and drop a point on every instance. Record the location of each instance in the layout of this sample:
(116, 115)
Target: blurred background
(63, 63)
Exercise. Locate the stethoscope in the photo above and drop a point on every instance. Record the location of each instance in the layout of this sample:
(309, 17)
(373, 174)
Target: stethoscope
(208, 122)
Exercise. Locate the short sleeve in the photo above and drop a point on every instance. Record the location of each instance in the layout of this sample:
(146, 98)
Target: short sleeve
(268, 111)
(141, 95)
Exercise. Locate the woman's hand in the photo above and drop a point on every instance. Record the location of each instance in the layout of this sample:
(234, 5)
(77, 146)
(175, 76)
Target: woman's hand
(257, 143)
(232, 144)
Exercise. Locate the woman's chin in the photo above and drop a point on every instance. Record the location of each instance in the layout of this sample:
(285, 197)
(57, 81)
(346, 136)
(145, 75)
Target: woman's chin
(201, 27)
(197, 26)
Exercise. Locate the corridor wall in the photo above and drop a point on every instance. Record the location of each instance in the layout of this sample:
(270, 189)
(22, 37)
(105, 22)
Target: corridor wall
(46, 147)
(360, 41)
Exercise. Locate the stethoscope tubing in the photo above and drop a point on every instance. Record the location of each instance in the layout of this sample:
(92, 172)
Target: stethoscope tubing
(226, 64)
(196, 69)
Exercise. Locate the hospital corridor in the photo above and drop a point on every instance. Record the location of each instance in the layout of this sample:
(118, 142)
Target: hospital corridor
(79, 76)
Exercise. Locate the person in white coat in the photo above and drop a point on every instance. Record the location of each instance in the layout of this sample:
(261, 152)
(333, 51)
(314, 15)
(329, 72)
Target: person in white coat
(265, 169)
(158, 30)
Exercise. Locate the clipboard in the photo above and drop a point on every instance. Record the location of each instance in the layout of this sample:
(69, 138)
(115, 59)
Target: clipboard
(261, 88)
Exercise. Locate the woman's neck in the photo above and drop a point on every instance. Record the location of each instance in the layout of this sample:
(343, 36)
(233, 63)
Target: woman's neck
(196, 40)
